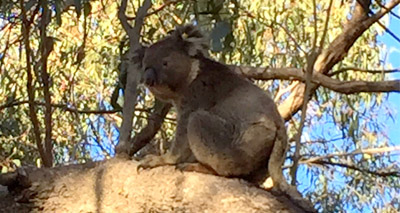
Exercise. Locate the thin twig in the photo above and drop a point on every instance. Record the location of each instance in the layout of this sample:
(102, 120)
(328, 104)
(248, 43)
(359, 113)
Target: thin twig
(98, 139)
(382, 174)
(307, 95)
(328, 14)
(74, 110)
(65, 107)
(291, 37)
(394, 36)
(307, 91)
(355, 69)
(356, 152)
(315, 25)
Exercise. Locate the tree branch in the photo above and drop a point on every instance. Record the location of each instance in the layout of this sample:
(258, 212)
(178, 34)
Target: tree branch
(46, 47)
(353, 167)
(355, 69)
(62, 106)
(68, 109)
(328, 15)
(345, 87)
(133, 74)
(116, 186)
(29, 85)
(307, 95)
(370, 151)
(155, 121)
(327, 160)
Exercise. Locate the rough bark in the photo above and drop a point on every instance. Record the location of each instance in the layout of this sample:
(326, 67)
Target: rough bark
(116, 186)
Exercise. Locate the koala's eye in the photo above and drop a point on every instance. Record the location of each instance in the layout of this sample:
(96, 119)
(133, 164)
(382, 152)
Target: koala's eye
(165, 63)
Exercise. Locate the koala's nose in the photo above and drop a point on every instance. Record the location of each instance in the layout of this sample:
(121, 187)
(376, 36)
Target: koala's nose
(150, 76)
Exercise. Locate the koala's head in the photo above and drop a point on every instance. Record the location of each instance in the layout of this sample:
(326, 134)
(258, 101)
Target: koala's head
(170, 65)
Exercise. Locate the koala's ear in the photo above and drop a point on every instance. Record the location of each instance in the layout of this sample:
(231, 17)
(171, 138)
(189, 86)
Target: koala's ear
(137, 56)
(193, 39)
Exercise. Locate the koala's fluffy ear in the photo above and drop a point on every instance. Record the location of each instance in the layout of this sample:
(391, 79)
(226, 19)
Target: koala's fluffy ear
(194, 41)
(138, 55)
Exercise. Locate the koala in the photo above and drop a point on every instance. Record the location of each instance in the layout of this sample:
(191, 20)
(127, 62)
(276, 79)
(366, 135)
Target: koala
(224, 122)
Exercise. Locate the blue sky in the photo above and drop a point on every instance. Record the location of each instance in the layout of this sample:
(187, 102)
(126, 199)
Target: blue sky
(393, 48)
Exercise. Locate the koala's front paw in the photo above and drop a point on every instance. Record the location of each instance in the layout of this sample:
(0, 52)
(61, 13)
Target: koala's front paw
(151, 161)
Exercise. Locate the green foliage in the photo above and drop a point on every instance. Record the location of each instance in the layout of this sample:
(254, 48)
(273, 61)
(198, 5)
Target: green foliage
(84, 68)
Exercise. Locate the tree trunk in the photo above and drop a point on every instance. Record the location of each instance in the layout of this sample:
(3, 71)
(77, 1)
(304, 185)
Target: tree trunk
(116, 186)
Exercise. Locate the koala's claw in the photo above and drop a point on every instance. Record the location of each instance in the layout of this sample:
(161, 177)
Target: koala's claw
(140, 167)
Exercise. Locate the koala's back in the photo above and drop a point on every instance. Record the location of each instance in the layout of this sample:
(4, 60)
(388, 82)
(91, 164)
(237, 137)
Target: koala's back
(220, 90)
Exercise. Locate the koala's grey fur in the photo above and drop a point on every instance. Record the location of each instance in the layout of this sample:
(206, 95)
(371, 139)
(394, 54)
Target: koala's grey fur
(224, 121)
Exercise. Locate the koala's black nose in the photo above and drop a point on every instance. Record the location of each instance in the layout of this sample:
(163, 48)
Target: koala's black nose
(150, 76)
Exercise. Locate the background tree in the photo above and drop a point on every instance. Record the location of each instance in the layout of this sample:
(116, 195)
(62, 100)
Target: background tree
(63, 75)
